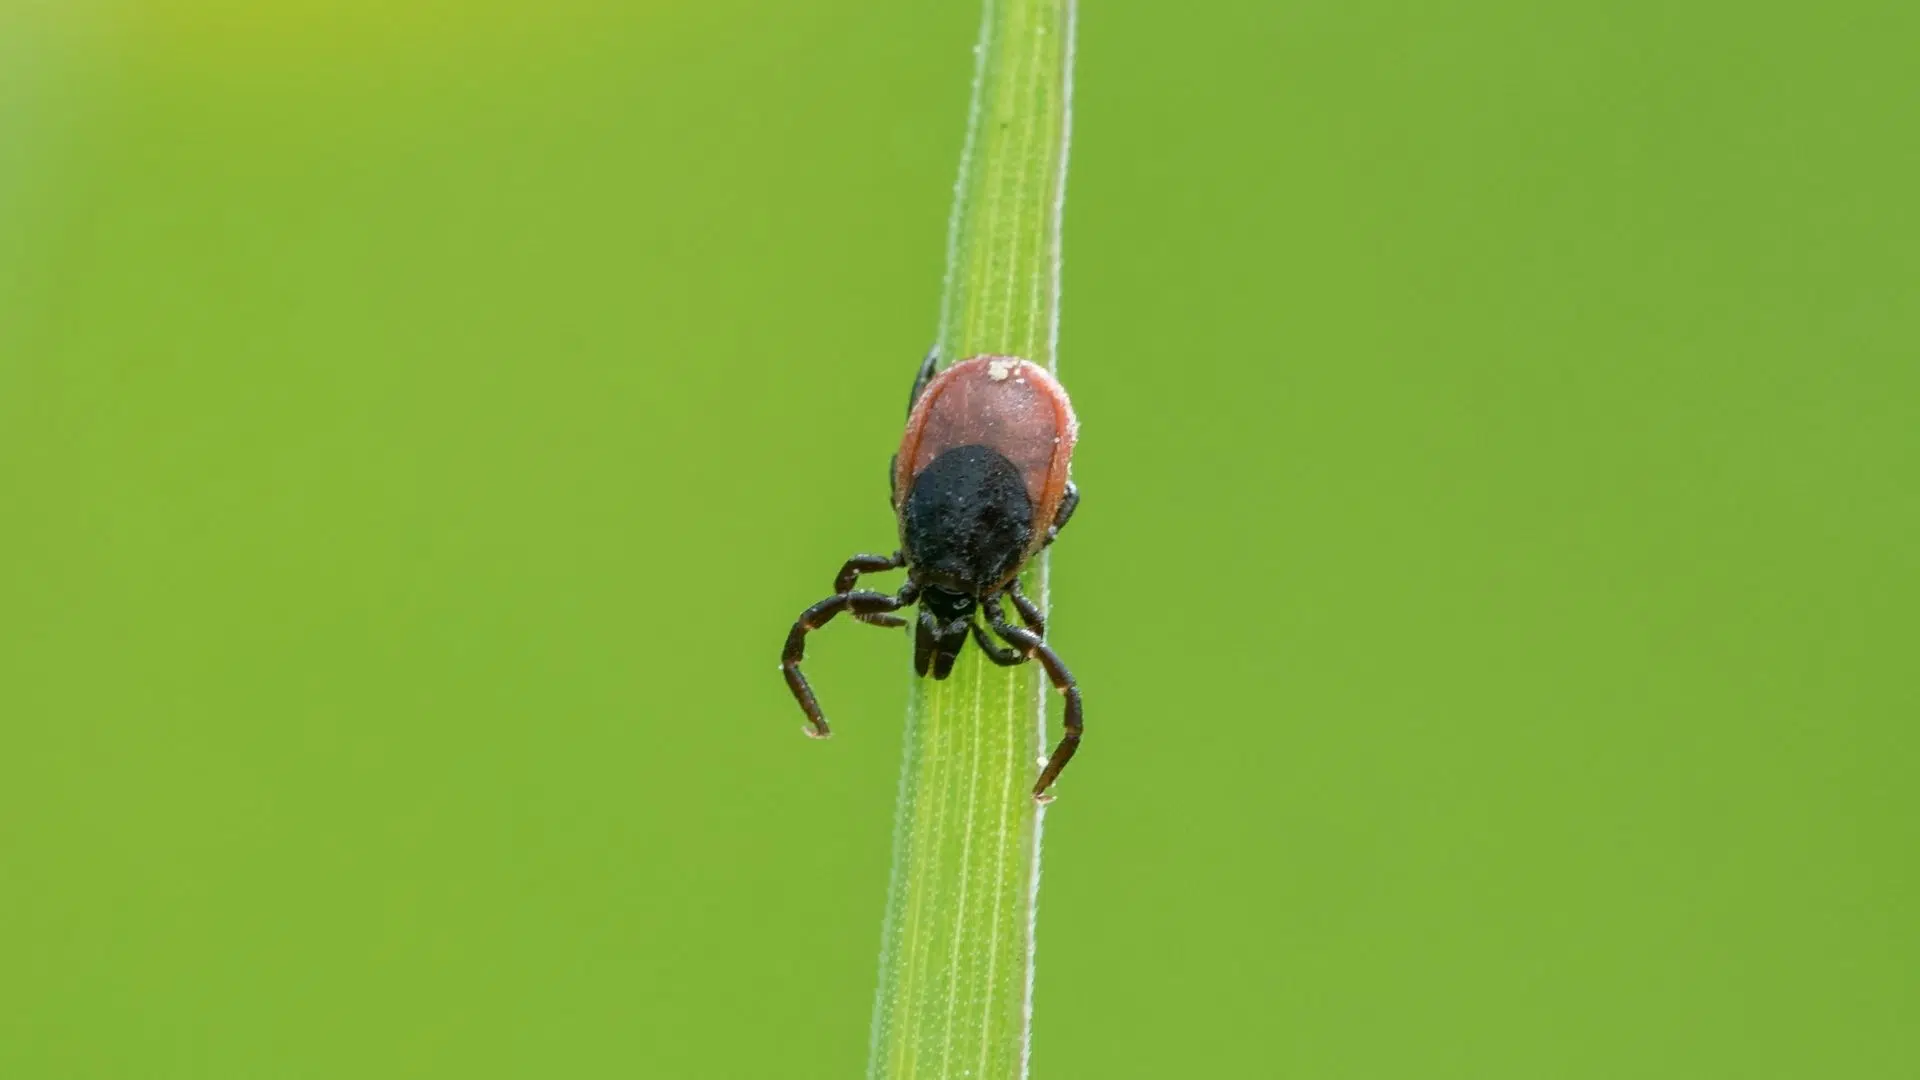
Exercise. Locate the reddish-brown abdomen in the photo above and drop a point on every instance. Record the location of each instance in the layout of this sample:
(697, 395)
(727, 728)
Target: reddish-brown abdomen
(1011, 406)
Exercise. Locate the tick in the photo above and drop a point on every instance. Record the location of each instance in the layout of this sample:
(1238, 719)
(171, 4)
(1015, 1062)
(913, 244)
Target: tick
(979, 486)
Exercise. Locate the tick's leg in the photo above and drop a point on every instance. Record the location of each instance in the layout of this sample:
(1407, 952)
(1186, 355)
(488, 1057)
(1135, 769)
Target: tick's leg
(865, 564)
(870, 564)
(1029, 613)
(995, 651)
(860, 603)
(921, 380)
(1029, 644)
(1061, 516)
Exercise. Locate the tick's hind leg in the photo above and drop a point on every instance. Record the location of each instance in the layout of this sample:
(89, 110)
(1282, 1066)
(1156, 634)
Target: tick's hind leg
(1068, 503)
(1029, 644)
(925, 376)
(870, 564)
(920, 382)
(860, 603)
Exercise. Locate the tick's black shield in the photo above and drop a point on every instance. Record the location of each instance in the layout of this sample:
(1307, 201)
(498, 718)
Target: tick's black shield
(967, 522)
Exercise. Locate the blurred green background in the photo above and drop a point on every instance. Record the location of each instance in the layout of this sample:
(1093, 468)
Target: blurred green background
(1495, 592)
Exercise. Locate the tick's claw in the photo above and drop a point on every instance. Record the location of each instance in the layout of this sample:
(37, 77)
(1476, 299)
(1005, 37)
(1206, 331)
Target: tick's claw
(812, 733)
(1042, 798)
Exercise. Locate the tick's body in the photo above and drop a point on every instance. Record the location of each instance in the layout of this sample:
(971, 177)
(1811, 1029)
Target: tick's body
(980, 484)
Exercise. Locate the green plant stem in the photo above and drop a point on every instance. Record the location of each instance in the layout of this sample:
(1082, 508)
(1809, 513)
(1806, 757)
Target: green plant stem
(956, 965)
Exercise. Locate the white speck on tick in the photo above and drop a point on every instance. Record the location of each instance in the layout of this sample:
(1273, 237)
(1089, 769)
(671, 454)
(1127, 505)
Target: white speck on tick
(998, 370)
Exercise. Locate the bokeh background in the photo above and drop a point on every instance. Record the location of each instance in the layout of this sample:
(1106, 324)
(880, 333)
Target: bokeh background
(1495, 592)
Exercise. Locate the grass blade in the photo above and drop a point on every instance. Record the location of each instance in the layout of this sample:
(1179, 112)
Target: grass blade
(956, 964)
